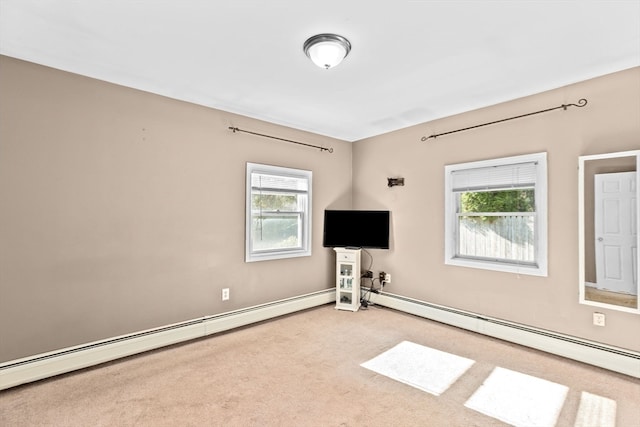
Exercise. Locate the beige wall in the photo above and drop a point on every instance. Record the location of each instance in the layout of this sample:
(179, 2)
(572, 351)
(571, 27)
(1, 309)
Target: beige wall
(122, 210)
(610, 122)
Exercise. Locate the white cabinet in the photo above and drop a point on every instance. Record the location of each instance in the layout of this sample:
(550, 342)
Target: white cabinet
(347, 279)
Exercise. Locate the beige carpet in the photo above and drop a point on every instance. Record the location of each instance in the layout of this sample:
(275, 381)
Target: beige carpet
(304, 370)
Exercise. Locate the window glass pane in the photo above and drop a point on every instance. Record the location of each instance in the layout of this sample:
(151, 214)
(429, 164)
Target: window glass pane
(275, 232)
(498, 201)
(274, 202)
(508, 238)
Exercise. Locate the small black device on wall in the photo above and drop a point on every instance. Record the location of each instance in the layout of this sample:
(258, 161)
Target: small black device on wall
(392, 182)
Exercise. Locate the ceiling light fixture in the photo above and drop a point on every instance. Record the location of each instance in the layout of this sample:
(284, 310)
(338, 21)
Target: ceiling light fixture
(327, 50)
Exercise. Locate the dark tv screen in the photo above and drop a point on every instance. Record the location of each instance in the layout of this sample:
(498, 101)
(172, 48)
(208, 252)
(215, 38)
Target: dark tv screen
(356, 228)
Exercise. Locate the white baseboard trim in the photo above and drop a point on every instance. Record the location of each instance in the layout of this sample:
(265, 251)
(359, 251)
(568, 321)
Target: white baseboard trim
(612, 358)
(22, 371)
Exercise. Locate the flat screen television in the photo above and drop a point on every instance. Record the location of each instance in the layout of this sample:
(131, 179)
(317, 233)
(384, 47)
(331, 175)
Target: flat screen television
(356, 229)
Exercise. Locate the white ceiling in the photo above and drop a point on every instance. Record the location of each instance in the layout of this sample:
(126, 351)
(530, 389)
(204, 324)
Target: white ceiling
(411, 62)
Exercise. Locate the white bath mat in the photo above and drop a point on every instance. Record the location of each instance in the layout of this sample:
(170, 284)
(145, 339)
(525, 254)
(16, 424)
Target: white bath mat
(421, 367)
(596, 410)
(519, 399)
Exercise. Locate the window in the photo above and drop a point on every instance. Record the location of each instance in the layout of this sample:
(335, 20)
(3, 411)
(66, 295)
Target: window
(496, 214)
(278, 212)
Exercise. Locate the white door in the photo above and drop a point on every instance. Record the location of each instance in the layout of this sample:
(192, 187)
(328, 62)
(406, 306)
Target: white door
(616, 232)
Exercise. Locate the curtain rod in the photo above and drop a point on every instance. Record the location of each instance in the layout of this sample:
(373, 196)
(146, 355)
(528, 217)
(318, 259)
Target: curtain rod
(235, 129)
(581, 103)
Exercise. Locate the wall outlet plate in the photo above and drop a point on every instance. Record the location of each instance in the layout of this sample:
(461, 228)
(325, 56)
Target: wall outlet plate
(225, 294)
(599, 319)
(387, 278)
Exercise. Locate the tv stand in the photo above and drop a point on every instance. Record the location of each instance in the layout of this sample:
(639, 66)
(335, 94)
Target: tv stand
(347, 278)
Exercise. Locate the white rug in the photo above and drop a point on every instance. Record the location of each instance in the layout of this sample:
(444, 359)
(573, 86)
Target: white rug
(519, 399)
(424, 368)
(596, 411)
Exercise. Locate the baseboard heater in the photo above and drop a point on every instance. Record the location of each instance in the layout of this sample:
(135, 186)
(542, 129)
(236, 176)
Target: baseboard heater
(46, 365)
(604, 356)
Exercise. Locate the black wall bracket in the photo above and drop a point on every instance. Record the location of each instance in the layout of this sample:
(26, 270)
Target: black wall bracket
(392, 182)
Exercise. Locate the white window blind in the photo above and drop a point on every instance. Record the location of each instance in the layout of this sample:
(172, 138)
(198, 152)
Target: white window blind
(266, 182)
(488, 178)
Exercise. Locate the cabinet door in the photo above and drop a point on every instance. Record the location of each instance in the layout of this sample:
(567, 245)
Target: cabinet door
(345, 298)
(345, 278)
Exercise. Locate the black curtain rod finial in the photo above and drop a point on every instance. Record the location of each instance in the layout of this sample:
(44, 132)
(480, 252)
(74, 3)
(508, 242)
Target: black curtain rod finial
(581, 103)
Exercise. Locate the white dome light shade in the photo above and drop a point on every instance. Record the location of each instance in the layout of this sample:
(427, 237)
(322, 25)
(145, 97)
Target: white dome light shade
(327, 50)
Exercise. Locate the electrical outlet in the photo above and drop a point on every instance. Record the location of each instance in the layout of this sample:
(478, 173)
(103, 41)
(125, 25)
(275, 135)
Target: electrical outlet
(225, 294)
(387, 277)
(598, 319)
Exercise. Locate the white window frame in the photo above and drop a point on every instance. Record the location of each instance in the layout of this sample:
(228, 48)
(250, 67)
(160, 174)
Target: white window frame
(451, 220)
(304, 249)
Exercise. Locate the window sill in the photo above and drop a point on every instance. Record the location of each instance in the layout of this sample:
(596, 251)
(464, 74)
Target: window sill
(275, 255)
(498, 266)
